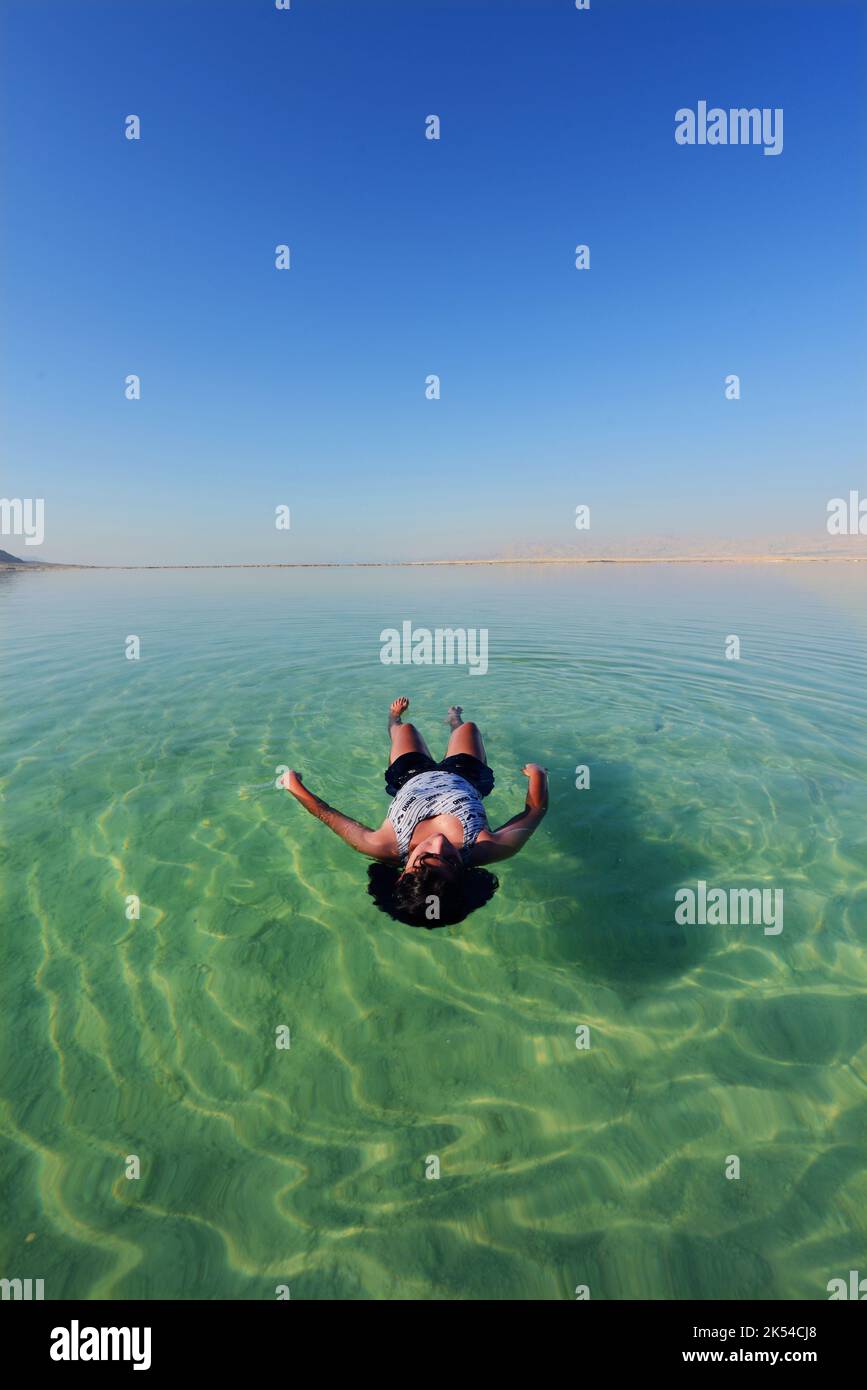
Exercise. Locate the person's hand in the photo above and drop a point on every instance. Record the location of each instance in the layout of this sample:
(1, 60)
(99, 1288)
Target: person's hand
(533, 767)
(293, 783)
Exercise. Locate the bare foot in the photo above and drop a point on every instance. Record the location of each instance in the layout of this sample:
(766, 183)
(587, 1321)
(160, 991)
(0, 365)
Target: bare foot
(396, 709)
(453, 717)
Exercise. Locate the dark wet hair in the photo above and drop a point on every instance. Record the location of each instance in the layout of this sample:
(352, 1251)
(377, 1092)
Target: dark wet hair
(406, 897)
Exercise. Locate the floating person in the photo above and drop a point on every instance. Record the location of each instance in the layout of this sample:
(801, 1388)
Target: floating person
(433, 844)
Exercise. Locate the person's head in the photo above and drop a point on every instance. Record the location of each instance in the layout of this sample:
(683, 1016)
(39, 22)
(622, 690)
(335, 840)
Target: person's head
(434, 889)
(435, 852)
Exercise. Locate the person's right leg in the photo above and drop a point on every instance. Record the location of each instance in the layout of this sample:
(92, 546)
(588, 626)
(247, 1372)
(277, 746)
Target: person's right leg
(405, 738)
(464, 738)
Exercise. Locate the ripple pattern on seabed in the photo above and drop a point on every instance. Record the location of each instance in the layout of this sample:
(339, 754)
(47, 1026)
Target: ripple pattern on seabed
(306, 1166)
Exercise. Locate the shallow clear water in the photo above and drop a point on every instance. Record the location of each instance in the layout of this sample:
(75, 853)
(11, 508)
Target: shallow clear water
(306, 1166)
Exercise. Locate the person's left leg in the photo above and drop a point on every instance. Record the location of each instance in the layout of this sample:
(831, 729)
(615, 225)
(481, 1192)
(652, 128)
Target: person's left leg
(464, 738)
(405, 738)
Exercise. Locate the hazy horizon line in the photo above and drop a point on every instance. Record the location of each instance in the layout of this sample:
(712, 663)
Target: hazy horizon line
(697, 559)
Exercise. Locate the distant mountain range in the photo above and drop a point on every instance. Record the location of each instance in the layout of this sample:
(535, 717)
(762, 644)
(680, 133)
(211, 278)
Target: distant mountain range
(625, 550)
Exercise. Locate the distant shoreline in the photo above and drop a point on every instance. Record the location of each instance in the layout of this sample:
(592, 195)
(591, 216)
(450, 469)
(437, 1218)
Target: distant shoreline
(46, 567)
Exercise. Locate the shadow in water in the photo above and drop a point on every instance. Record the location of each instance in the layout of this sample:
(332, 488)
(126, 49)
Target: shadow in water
(618, 921)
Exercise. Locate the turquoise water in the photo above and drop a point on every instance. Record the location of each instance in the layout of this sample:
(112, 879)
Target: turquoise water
(306, 1166)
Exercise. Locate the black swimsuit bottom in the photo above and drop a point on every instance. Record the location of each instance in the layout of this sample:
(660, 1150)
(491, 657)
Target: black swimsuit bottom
(465, 765)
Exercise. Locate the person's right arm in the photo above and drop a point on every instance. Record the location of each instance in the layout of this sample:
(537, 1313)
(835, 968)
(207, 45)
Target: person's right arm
(493, 845)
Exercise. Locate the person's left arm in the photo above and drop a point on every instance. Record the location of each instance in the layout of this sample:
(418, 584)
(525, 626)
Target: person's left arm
(375, 843)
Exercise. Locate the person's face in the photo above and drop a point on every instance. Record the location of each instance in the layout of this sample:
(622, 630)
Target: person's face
(438, 852)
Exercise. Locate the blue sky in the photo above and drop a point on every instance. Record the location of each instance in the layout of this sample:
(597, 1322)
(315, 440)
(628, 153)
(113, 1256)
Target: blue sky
(412, 257)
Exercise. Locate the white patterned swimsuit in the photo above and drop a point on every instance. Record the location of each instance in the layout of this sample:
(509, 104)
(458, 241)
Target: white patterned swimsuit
(431, 794)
